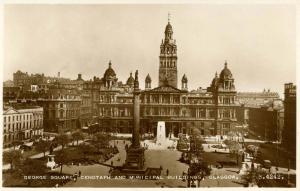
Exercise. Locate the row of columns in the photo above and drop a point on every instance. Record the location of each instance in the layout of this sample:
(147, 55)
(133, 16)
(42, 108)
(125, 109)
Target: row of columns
(170, 98)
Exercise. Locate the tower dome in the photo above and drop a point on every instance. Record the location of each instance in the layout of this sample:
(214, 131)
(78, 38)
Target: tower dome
(225, 73)
(109, 72)
(215, 80)
(130, 80)
(148, 79)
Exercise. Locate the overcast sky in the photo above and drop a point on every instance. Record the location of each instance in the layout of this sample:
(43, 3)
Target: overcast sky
(258, 41)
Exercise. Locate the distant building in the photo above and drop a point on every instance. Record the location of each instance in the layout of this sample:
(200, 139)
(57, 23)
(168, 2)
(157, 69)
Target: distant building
(61, 109)
(11, 93)
(266, 120)
(66, 106)
(21, 122)
(25, 81)
(289, 132)
(248, 100)
(8, 83)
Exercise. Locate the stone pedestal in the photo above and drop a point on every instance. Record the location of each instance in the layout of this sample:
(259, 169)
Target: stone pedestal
(135, 158)
(51, 163)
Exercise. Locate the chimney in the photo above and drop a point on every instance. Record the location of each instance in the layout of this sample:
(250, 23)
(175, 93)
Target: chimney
(58, 74)
(79, 77)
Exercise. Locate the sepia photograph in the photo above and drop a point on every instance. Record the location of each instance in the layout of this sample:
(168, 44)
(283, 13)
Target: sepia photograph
(149, 95)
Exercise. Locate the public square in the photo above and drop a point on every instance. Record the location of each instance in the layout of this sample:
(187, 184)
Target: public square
(168, 159)
(175, 96)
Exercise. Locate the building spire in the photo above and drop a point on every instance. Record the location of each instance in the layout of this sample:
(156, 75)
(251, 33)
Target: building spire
(169, 17)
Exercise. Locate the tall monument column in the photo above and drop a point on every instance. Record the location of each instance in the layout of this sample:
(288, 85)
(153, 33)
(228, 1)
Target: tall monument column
(136, 113)
(135, 153)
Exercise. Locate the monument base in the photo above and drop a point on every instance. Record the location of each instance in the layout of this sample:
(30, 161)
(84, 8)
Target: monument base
(135, 158)
(134, 165)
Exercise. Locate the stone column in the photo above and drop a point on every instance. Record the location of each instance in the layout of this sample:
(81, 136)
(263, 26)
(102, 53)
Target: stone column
(136, 114)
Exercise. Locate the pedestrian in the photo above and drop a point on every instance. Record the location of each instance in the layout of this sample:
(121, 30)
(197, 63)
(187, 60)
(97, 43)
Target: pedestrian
(167, 172)
(75, 177)
(79, 173)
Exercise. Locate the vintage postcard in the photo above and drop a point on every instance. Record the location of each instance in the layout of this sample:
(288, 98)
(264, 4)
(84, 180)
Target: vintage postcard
(149, 95)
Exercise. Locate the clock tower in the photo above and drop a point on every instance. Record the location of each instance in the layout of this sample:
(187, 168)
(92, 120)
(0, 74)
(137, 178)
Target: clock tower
(168, 59)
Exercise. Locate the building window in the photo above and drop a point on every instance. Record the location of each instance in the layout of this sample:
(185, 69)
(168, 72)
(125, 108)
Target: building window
(202, 113)
(226, 114)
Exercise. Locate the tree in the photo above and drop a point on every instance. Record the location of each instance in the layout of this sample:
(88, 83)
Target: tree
(36, 137)
(16, 143)
(42, 146)
(61, 158)
(101, 140)
(85, 149)
(62, 140)
(234, 148)
(12, 157)
(32, 167)
(77, 135)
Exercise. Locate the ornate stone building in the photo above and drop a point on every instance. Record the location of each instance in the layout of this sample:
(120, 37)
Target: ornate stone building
(62, 109)
(211, 110)
(21, 122)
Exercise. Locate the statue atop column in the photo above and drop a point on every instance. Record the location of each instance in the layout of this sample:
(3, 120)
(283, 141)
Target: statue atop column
(136, 81)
